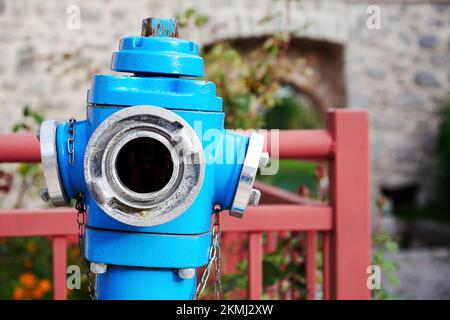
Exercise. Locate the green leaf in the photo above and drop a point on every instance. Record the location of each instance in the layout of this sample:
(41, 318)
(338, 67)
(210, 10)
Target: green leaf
(271, 273)
(201, 20)
(392, 246)
(189, 13)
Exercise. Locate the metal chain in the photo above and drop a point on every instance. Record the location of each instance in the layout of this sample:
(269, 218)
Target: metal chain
(214, 258)
(71, 140)
(81, 221)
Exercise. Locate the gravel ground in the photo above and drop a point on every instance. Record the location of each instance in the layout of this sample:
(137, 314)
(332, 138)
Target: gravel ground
(424, 274)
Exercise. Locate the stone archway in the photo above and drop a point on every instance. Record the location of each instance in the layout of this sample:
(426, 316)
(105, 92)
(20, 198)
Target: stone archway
(324, 87)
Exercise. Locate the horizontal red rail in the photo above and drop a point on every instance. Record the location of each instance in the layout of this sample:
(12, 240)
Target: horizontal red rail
(62, 221)
(280, 217)
(300, 144)
(23, 147)
(289, 144)
(38, 222)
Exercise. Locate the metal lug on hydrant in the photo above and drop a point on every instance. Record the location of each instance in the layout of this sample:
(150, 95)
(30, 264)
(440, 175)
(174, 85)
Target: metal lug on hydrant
(44, 194)
(254, 198)
(98, 268)
(141, 166)
(186, 273)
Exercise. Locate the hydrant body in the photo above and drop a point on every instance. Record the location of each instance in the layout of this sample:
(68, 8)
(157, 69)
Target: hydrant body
(151, 160)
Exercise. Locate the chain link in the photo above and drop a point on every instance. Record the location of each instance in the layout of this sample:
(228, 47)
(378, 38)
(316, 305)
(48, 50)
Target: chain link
(81, 221)
(214, 258)
(71, 141)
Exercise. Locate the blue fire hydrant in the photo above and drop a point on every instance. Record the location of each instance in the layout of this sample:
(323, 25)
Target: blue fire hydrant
(150, 163)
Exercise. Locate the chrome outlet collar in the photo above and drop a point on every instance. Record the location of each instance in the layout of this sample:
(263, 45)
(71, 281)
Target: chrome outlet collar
(245, 194)
(153, 208)
(52, 189)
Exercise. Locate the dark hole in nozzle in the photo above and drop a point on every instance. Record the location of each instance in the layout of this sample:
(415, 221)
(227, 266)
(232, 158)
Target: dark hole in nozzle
(144, 165)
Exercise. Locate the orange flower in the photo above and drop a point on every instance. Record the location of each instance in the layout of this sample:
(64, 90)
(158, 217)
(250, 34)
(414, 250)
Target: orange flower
(28, 279)
(44, 285)
(37, 293)
(19, 293)
(31, 247)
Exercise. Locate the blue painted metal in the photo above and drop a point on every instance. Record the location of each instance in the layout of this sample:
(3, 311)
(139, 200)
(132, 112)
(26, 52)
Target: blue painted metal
(142, 284)
(158, 55)
(142, 261)
(147, 249)
(169, 93)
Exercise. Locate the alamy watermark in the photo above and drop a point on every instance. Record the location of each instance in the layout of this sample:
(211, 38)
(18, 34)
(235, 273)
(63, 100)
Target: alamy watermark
(374, 278)
(373, 21)
(73, 21)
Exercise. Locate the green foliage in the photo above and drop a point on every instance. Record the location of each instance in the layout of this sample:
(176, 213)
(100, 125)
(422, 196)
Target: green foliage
(290, 173)
(437, 209)
(23, 255)
(289, 113)
(280, 266)
(191, 17)
(31, 120)
(26, 269)
(247, 88)
(444, 157)
(29, 173)
(383, 244)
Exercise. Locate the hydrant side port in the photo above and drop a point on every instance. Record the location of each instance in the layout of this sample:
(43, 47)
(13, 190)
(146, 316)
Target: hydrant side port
(152, 160)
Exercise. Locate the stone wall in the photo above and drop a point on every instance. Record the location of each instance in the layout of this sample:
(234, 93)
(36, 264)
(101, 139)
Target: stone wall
(400, 73)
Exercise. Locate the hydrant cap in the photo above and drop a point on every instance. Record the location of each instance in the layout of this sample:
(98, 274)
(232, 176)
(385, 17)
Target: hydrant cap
(158, 51)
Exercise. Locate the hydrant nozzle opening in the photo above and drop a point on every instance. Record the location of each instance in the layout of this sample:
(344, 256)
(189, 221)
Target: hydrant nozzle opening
(144, 165)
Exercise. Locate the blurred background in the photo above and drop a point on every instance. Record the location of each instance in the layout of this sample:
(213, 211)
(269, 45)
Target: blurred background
(277, 64)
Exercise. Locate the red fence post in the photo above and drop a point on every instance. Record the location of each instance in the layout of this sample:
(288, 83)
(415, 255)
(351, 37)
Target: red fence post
(59, 268)
(255, 272)
(311, 264)
(350, 244)
(326, 265)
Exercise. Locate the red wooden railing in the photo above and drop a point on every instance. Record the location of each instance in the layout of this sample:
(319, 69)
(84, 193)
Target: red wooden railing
(344, 223)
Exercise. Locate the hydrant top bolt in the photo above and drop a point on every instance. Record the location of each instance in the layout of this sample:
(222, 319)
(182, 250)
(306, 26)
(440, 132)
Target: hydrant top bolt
(155, 27)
